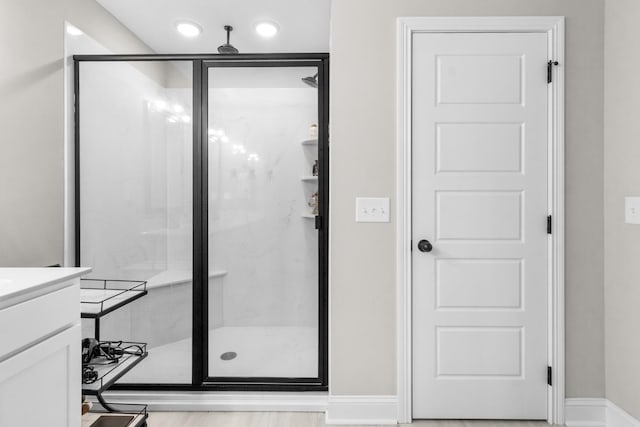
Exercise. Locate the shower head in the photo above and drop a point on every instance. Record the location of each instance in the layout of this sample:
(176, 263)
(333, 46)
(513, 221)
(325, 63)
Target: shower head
(311, 81)
(227, 48)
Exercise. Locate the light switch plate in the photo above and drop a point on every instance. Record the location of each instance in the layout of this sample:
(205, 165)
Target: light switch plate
(372, 209)
(632, 210)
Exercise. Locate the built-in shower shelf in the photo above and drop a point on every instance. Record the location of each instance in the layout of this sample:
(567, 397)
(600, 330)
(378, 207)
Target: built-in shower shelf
(309, 178)
(310, 142)
(109, 373)
(310, 216)
(99, 297)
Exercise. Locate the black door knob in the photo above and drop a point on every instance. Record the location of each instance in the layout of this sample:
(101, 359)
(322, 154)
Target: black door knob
(424, 246)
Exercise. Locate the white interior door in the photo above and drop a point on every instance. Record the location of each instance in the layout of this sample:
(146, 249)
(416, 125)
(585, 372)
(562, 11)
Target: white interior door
(479, 144)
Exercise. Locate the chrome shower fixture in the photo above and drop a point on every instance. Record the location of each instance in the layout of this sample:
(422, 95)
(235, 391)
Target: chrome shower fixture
(311, 81)
(227, 48)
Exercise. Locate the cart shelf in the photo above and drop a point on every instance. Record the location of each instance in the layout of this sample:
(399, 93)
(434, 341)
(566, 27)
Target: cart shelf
(99, 297)
(138, 412)
(109, 373)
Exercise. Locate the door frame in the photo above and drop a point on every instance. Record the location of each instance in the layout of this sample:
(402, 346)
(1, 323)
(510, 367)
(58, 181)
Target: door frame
(200, 381)
(200, 128)
(553, 26)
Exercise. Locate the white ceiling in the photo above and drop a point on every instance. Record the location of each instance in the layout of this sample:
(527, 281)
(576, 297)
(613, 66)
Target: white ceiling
(304, 24)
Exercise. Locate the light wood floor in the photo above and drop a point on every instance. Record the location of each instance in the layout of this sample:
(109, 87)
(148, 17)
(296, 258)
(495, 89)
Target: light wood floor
(296, 419)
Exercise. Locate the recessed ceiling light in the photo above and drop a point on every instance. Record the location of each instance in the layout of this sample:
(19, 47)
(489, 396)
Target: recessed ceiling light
(188, 29)
(267, 28)
(74, 31)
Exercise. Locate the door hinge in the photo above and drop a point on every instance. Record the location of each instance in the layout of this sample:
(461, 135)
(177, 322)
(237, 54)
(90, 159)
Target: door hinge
(549, 224)
(318, 222)
(549, 376)
(550, 65)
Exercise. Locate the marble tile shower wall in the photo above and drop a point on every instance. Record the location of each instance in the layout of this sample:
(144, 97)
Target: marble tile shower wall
(257, 197)
(135, 173)
(137, 202)
(136, 194)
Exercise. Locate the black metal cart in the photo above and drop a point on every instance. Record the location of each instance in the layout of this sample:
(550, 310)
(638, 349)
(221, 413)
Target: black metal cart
(99, 298)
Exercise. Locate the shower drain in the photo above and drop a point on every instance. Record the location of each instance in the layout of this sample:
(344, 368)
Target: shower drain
(229, 355)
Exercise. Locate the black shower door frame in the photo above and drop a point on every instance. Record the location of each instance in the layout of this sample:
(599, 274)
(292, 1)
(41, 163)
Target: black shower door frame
(201, 381)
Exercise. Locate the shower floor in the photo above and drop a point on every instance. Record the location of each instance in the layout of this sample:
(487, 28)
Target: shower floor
(273, 351)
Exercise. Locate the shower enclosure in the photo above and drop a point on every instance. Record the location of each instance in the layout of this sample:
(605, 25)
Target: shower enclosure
(207, 177)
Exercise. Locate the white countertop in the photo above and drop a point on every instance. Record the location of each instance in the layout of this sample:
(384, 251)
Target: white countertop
(15, 282)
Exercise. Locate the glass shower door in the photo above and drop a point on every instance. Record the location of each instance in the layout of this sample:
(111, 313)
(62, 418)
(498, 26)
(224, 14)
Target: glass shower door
(262, 144)
(206, 177)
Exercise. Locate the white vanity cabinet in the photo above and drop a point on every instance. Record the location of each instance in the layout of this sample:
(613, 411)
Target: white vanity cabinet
(40, 366)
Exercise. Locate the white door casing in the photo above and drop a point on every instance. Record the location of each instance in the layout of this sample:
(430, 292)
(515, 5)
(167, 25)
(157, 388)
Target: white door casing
(487, 168)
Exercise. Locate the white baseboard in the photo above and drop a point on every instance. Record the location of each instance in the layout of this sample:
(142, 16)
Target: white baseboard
(588, 412)
(618, 417)
(596, 412)
(221, 401)
(362, 410)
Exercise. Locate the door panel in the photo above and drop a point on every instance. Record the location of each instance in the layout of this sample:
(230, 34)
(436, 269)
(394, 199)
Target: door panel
(479, 352)
(479, 283)
(470, 215)
(479, 147)
(472, 79)
(263, 319)
(480, 197)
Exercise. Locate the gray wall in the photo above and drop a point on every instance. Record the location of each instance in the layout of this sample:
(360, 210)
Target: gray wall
(31, 120)
(363, 159)
(622, 178)
(363, 101)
